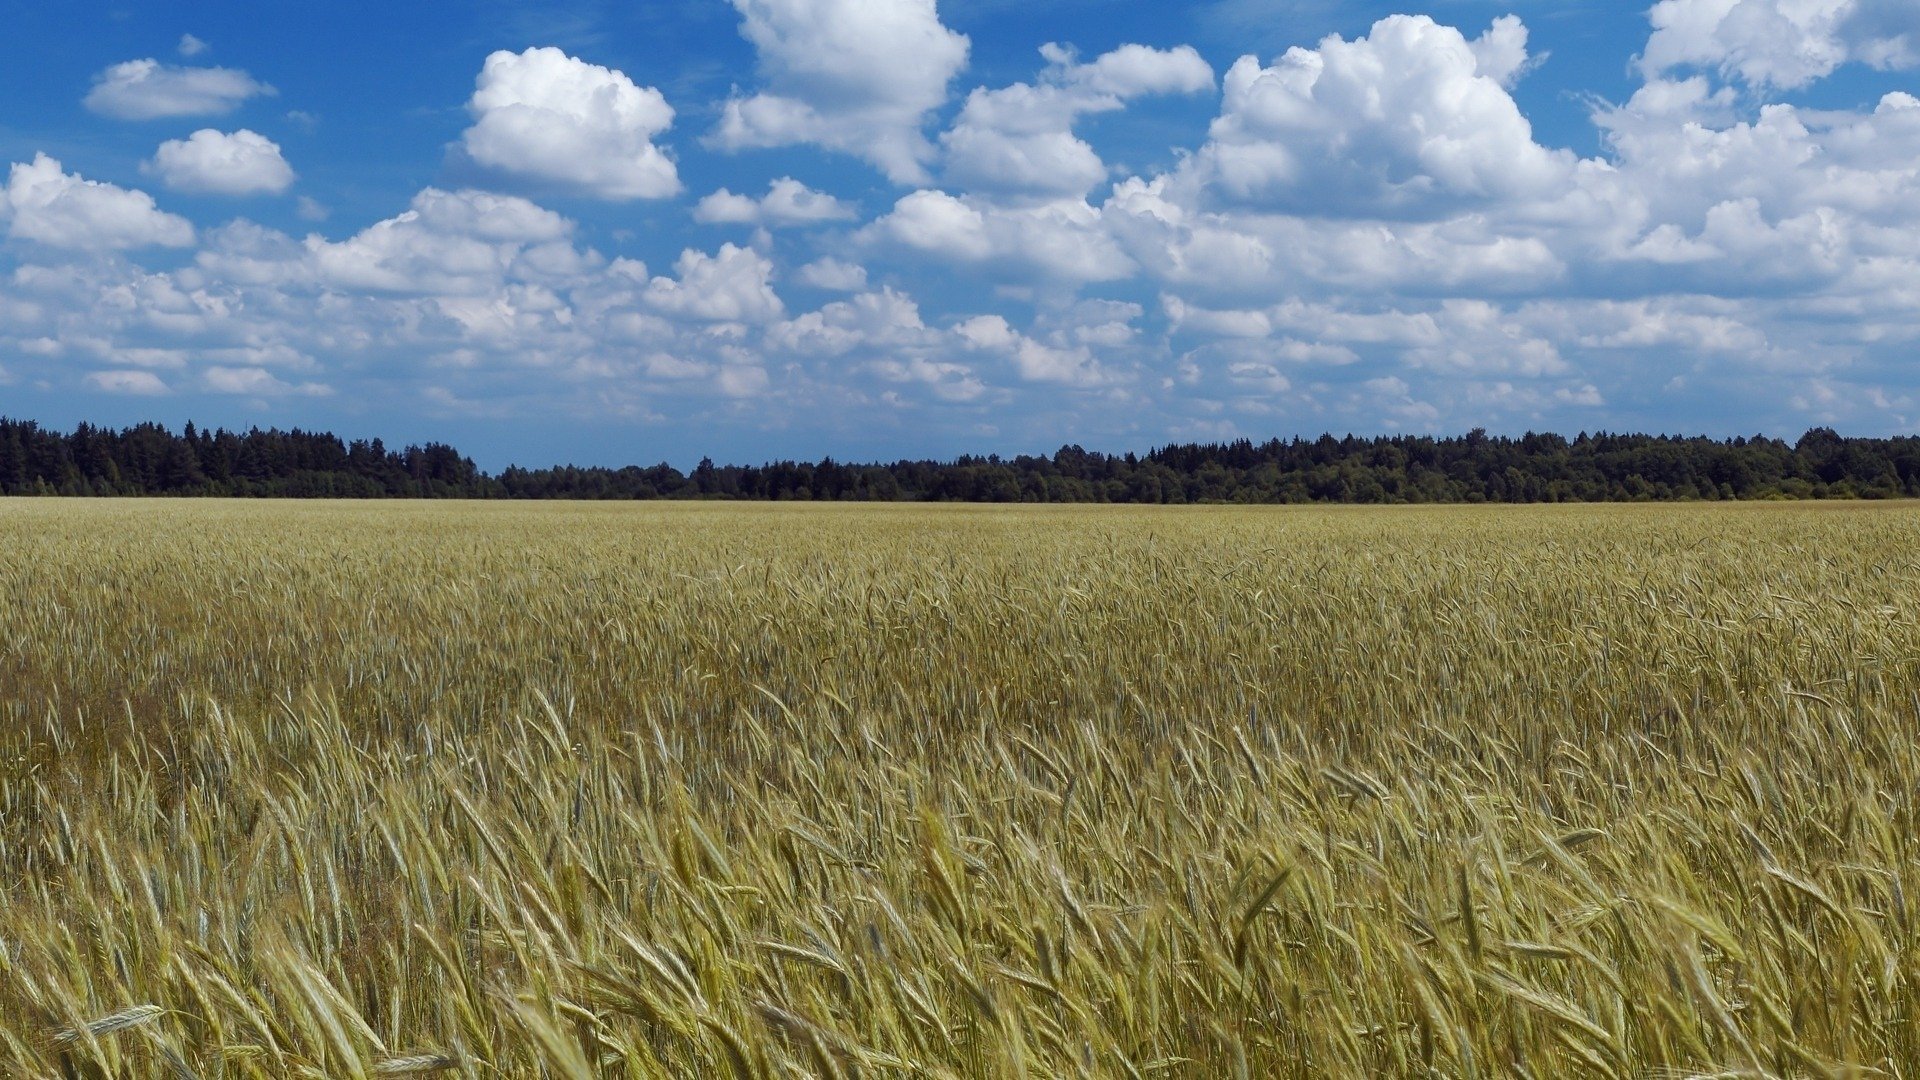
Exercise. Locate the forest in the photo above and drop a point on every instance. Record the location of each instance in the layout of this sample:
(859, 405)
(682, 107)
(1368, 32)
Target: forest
(150, 459)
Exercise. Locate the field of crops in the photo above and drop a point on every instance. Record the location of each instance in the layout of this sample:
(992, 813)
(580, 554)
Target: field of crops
(575, 791)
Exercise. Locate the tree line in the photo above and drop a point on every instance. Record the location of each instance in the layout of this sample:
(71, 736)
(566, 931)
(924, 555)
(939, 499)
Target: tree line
(149, 459)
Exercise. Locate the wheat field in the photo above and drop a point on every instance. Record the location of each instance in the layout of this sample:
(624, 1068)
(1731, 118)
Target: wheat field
(585, 791)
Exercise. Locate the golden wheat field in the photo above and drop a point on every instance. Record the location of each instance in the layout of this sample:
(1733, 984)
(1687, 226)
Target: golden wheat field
(583, 791)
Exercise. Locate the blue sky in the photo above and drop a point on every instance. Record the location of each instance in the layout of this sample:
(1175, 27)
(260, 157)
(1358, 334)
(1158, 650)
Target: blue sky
(608, 232)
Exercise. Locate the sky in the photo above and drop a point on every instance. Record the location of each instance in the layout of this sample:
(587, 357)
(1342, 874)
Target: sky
(614, 232)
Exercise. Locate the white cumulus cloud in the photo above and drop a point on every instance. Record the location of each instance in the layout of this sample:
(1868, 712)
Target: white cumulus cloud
(1781, 44)
(150, 90)
(1033, 360)
(857, 76)
(1065, 241)
(550, 117)
(1411, 120)
(1502, 51)
(882, 334)
(732, 285)
(1368, 235)
(1018, 140)
(833, 275)
(787, 202)
(448, 243)
(217, 163)
(47, 205)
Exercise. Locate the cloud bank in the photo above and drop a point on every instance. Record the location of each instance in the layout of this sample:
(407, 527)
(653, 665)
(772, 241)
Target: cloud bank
(1363, 232)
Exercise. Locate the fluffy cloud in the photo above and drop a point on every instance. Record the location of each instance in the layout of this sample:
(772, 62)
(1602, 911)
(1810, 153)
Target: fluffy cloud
(1032, 359)
(216, 163)
(934, 221)
(733, 285)
(858, 76)
(1458, 337)
(546, 116)
(1790, 201)
(47, 205)
(1780, 44)
(448, 244)
(884, 320)
(1065, 241)
(833, 275)
(1233, 254)
(150, 90)
(1411, 120)
(1132, 71)
(1019, 141)
(882, 334)
(467, 294)
(787, 202)
(1354, 186)
(1368, 235)
(1501, 52)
